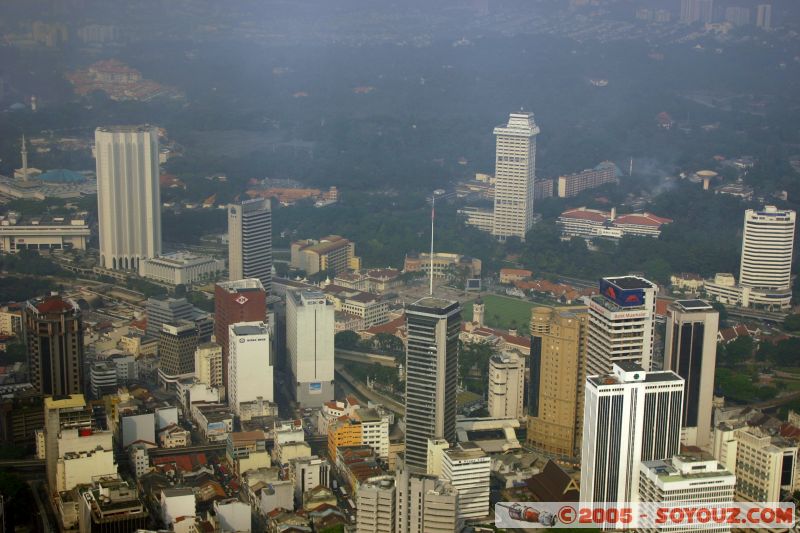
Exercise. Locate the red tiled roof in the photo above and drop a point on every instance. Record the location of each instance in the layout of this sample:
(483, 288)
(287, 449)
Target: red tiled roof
(185, 462)
(515, 272)
(790, 432)
(641, 219)
(53, 304)
(586, 214)
(389, 327)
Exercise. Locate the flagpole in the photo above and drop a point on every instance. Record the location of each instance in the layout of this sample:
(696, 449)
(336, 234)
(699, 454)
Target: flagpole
(433, 215)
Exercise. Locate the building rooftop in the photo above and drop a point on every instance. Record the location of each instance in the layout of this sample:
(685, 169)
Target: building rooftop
(241, 285)
(243, 329)
(630, 282)
(429, 304)
(693, 305)
(127, 129)
(64, 402)
(367, 415)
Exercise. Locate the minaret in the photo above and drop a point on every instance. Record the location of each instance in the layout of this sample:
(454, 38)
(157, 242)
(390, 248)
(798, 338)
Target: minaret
(24, 159)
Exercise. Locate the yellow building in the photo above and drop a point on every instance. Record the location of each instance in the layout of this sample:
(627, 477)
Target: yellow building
(557, 374)
(332, 253)
(344, 431)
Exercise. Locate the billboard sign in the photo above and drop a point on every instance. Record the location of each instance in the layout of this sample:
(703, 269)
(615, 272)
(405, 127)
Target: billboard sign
(315, 387)
(621, 297)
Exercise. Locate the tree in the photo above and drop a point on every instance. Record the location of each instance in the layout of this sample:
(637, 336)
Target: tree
(740, 350)
(723, 312)
(346, 340)
(388, 343)
(792, 322)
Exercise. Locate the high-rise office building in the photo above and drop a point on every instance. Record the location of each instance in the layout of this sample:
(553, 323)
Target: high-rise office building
(54, 336)
(630, 416)
(621, 324)
(506, 385)
(250, 241)
(164, 309)
(468, 469)
(764, 16)
(243, 300)
(176, 346)
(688, 480)
(767, 247)
(425, 504)
(557, 375)
(433, 326)
(208, 364)
(697, 11)
(128, 195)
(515, 171)
(376, 506)
(309, 346)
(691, 352)
(250, 367)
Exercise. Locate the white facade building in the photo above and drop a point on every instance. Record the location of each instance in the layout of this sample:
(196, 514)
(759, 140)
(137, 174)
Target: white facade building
(685, 480)
(309, 345)
(767, 246)
(181, 268)
(55, 233)
(83, 455)
(250, 241)
(374, 430)
(621, 324)
(234, 516)
(764, 464)
(515, 170)
(630, 416)
(307, 473)
(128, 195)
(691, 352)
(139, 459)
(506, 386)
(177, 503)
(250, 366)
(468, 469)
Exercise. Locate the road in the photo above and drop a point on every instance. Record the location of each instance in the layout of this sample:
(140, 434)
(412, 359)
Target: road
(389, 403)
(366, 358)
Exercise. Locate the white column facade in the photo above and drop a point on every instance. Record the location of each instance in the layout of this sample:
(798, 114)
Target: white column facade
(128, 196)
(515, 170)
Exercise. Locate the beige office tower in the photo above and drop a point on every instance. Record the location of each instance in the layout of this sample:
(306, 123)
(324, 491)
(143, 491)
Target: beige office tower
(691, 352)
(515, 170)
(557, 375)
(128, 195)
(425, 503)
(376, 505)
(506, 386)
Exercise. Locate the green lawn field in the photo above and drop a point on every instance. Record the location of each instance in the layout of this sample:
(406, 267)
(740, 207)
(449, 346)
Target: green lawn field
(504, 312)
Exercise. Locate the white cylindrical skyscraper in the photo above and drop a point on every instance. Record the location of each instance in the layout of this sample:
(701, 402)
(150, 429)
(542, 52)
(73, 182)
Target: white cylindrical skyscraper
(128, 197)
(767, 246)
